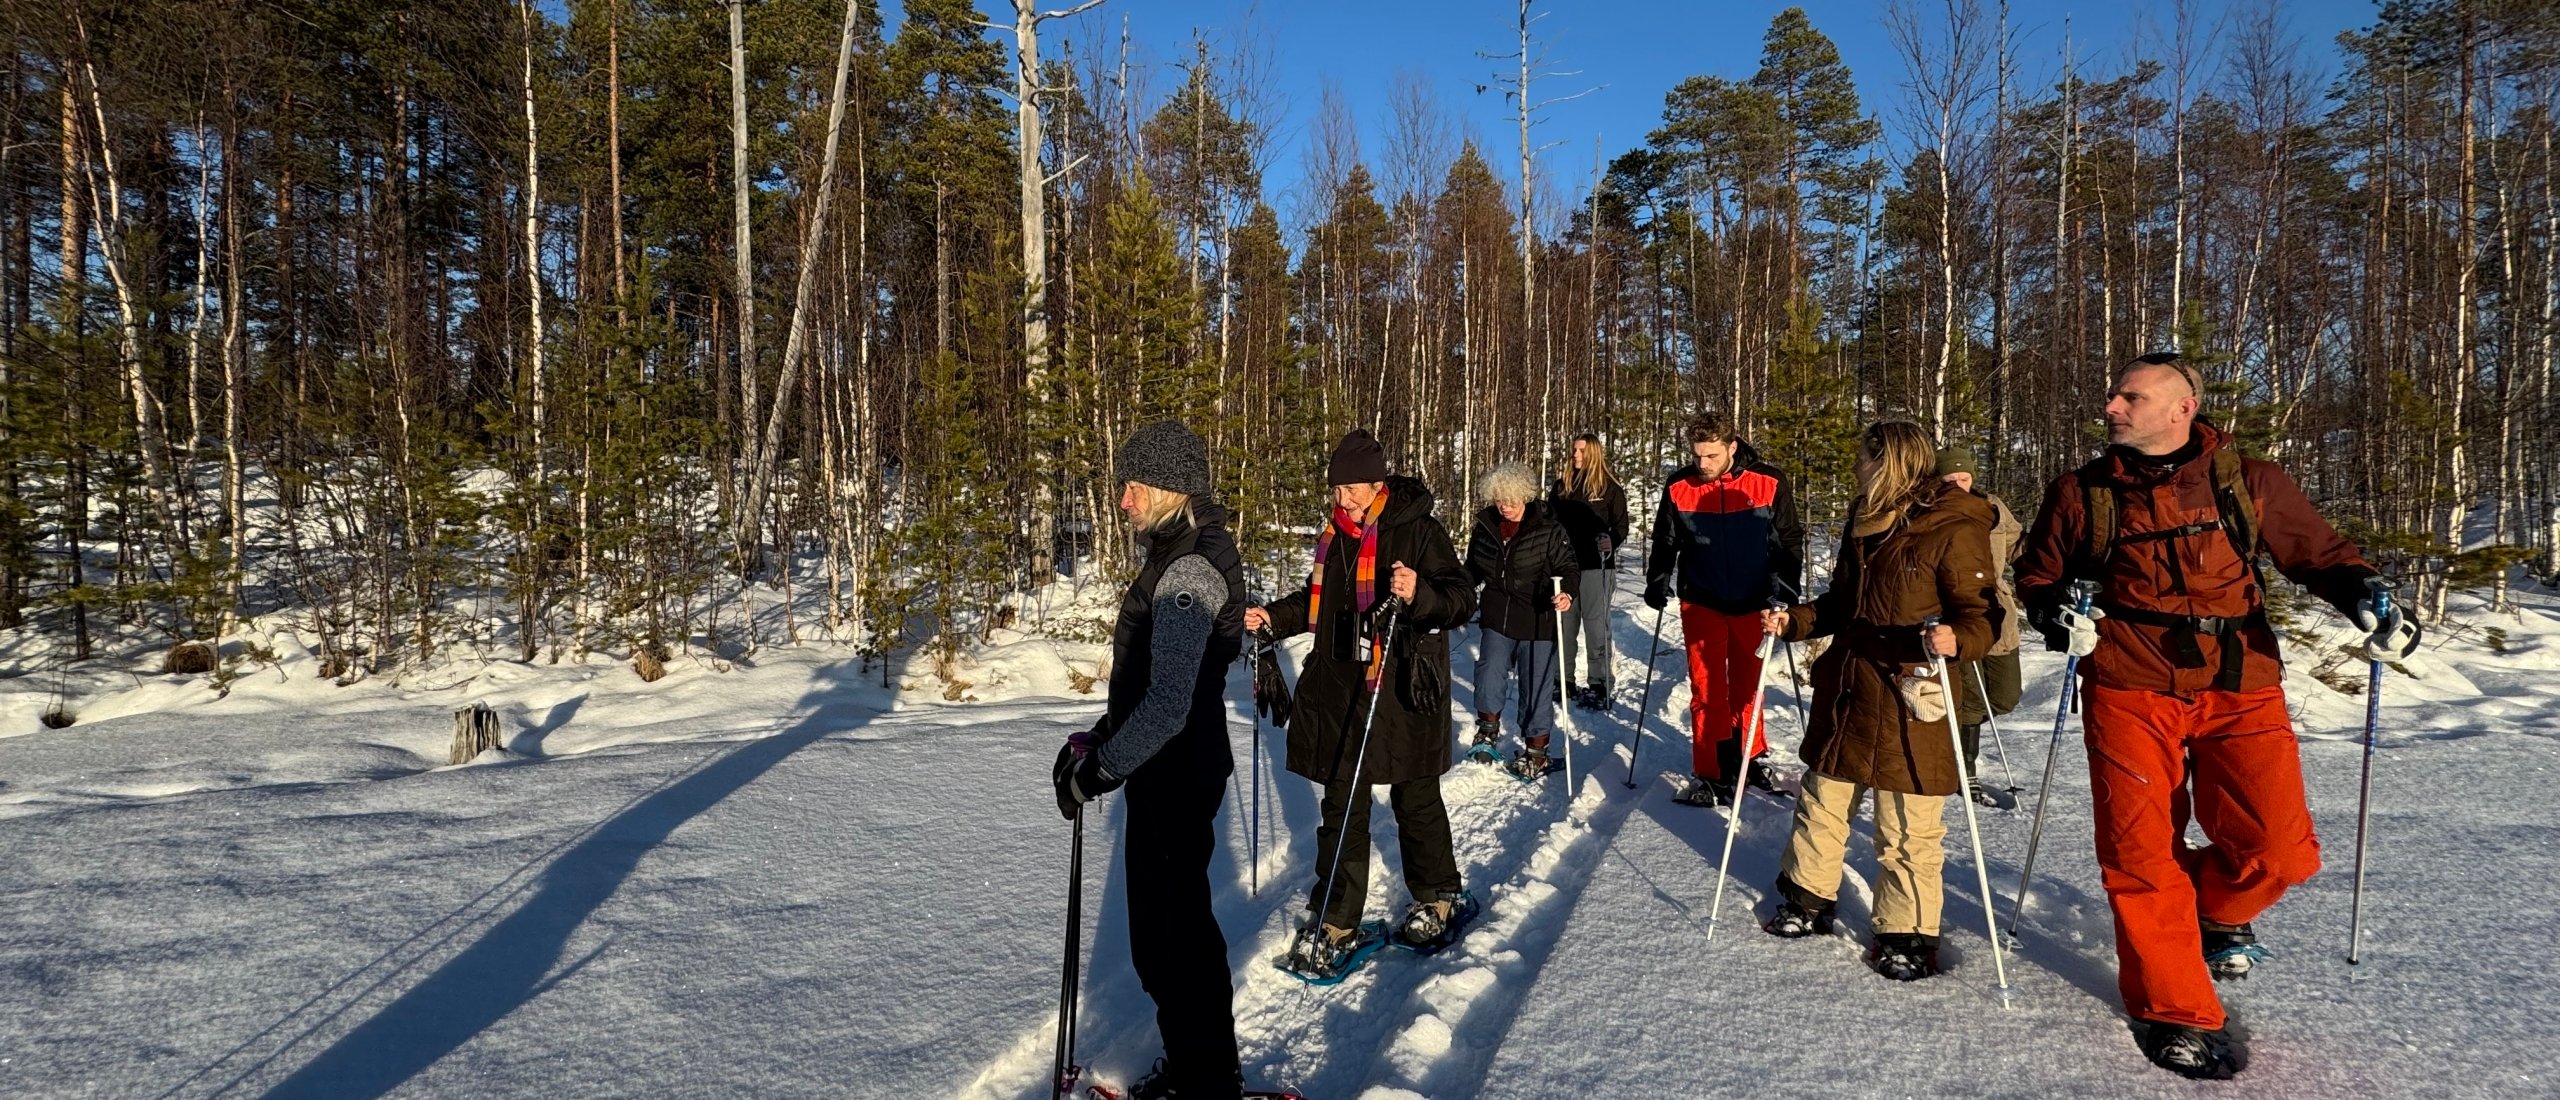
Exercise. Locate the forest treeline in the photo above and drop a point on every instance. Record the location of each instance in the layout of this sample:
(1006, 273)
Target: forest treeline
(606, 325)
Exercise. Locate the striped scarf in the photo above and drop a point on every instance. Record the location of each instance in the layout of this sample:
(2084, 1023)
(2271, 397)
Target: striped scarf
(1364, 569)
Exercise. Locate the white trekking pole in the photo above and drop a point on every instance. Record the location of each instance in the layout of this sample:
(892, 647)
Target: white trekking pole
(1972, 823)
(1564, 721)
(1742, 777)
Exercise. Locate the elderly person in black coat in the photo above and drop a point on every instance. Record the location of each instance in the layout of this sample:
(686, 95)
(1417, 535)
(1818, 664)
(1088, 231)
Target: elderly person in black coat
(1518, 553)
(1381, 555)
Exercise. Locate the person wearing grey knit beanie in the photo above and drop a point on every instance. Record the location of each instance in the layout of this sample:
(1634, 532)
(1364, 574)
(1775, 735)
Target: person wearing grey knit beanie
(1163, 733)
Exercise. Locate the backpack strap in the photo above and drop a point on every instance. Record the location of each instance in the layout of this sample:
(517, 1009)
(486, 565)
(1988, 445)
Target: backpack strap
(2098, 545)
(2239, 509)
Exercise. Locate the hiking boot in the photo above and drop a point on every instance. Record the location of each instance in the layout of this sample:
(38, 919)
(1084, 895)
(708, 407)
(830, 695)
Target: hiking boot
(2190, 1052)
(1794, 921)
(1703, 791)
(1426, 920)
(1488, 729)
(1761, 778)
(1904, 956)
(1529, 764)
(1322, 949)
(2231, 951)
(1993, 797)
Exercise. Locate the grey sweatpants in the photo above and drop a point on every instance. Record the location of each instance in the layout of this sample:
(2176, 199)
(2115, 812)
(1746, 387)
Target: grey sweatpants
(1588, 623)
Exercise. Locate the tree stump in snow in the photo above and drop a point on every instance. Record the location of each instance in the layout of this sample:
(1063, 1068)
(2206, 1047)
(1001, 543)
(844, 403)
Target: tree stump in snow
(475, 730)
(189, 659)
(649, 663)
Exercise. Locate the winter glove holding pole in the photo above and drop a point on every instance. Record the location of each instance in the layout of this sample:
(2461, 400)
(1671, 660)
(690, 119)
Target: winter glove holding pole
(1079, 775)
(1270, 688)
(2388, 632)
(1657, 591)
(2071, 631)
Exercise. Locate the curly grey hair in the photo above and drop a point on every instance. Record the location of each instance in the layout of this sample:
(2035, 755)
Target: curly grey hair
(1508, 483)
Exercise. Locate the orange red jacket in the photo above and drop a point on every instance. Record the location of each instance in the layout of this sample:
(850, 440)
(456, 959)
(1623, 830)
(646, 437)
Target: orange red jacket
(2198, 573)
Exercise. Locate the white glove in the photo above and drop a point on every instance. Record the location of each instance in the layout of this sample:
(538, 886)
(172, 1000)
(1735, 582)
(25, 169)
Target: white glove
(2084, 631)
(2390, 635)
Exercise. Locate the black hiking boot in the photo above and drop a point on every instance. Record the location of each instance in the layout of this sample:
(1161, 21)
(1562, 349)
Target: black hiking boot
(2190, 1052)
(1794, 921)
(1904, 956)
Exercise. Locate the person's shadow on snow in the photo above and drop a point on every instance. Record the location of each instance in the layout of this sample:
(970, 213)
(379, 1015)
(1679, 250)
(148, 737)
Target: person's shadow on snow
(519, 957)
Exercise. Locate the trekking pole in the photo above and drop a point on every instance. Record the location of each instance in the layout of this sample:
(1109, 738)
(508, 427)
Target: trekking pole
(2364, 785)
(1972, 821)
(1377, 676)
(1564, 722)
(1785, 596)
(2082, 594)
(1253, 844)
(1644, 703)
(1063, 1073)
(1742, 778)
(2006, 776)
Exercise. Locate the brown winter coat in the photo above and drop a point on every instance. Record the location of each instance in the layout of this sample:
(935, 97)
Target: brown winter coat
(1935, 561)
(2209, 577)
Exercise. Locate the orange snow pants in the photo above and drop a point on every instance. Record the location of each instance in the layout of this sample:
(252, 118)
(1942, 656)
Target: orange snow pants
(1724, 683)
(2227, 761)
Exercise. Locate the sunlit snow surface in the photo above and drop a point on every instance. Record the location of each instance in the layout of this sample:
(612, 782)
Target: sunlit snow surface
(785, 880)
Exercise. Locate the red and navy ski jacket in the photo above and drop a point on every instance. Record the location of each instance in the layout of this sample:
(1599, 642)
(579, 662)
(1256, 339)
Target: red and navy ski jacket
(1733, 539)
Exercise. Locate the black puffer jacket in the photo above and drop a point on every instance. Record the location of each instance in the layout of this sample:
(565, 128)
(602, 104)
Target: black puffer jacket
(1412, 737)
(1587, 520)
(1518, 601)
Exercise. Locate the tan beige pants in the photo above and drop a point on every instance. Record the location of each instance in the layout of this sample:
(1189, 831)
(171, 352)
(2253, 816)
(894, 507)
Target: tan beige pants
(1910, 852)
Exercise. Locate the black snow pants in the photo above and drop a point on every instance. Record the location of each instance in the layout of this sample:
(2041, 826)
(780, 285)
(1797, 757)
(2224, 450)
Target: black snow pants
(1174, 939)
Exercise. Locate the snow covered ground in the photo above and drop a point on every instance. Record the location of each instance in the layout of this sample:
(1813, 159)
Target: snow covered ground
(787, 880)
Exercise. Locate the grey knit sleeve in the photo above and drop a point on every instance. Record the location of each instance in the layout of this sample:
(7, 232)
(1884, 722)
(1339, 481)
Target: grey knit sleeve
(1188, 596)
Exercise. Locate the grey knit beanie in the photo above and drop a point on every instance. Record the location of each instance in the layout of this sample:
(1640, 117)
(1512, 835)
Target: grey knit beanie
(1166, 455)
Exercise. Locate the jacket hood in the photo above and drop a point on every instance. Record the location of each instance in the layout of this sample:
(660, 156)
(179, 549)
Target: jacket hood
(1408, 499)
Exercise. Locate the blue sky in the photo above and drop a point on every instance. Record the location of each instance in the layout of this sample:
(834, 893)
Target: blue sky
(1637, 48)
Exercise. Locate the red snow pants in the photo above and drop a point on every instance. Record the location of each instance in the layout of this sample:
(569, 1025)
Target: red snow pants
(2228, 762)
(1724, 682)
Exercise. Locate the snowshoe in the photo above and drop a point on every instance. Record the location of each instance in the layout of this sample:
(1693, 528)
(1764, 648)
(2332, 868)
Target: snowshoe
(1529, 765)
(1482, 751)
(2230, 954)
(1794, 921)
(1903, 956)
(2190, 1052)
(1703, 791)
(1993, 797)
(1325, 955)
(1430, 927)
(1158, 1085)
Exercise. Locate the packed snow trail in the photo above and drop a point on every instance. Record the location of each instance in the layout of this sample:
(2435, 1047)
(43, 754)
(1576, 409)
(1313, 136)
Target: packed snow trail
(786, 881)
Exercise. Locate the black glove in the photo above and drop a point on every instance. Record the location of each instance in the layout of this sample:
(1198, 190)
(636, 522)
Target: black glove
(1608, 548)
(1079, 778)
(1657, 591)
(1270, 688)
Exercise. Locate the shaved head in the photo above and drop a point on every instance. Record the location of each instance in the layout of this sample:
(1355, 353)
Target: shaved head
(2153, 406)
